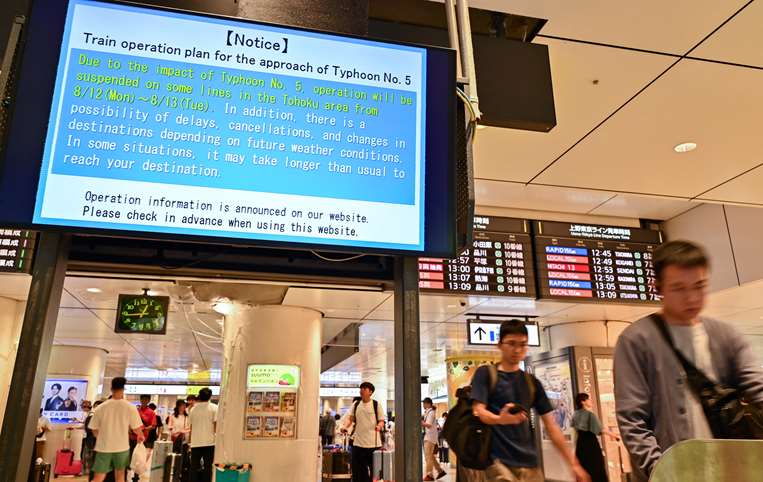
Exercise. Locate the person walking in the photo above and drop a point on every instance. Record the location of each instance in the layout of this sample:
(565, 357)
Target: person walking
(111, 423)
(368, 418)
(444, 449)
(43, 427)
(203, 423)
(156, 432)
(179, 426)
(504, 406)
(327, 428)
(655, 403)
(588, 428)
(148, 417)
(432, 470)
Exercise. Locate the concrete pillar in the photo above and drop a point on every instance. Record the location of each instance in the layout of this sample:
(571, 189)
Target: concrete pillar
(281, 335)
(11, 318)
(586, 333)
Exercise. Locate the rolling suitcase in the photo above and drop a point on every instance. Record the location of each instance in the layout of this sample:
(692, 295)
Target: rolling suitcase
(173, 468)
(383, 466)
(41, 473)
(337, 464)
(65, 463)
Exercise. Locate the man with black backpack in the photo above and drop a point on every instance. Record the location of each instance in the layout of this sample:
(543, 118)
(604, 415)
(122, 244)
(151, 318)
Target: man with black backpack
(368, 418)
(502, 397)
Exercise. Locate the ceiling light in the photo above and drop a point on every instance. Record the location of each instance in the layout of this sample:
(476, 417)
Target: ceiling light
(685, 147)
(93, 290)
(223, 306)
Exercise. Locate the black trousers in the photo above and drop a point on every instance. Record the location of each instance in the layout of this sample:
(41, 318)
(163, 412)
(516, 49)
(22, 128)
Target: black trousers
(362, 463)
(201, 463)
(327, 439)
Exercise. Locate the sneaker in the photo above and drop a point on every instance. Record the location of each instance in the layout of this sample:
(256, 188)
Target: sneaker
(441, 475)
(428, 477)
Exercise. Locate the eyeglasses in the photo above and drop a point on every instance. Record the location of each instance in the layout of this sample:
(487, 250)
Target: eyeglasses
(514, 345)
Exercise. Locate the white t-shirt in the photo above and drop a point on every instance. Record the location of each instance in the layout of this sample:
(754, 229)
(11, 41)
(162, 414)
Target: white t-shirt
(113, 419)
(179, 424)
(365, 435)
(693, 342)
(202, 421)
(430, 433)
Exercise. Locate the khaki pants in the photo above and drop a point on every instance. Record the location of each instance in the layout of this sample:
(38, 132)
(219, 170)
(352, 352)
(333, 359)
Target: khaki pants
(500, 473)
(430, 456)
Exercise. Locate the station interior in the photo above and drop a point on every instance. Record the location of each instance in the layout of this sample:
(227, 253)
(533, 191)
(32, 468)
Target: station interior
(631, 84)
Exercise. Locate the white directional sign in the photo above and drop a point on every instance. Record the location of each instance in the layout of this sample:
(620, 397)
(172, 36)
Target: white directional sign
(487, 332)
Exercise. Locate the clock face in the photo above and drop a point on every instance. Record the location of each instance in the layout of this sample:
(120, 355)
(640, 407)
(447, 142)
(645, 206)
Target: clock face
(142, 314)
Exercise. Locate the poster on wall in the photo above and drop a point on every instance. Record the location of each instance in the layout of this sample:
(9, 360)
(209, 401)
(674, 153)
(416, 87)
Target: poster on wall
(271, 402)
(556, 377)
(62, 400)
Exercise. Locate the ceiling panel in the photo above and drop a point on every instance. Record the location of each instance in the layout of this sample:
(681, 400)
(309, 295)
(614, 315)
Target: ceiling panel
(600, 312)
(521, 196)
(633, 151)
(643, 207)
(744, 189)
(739, 40)
(673, 26)
(516, 155)
(336, 303)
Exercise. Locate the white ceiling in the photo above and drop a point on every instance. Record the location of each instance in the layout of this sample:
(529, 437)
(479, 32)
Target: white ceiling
(666, 73)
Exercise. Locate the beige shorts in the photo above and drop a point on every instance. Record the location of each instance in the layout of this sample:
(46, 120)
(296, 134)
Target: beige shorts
(498, 472)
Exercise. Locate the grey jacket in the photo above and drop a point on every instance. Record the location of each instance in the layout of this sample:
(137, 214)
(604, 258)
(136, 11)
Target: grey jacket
(650, 393)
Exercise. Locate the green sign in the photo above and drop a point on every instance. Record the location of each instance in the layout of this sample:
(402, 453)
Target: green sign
(272, 376)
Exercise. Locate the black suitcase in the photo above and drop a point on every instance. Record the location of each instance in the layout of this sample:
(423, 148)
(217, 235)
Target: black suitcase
(173, 468)
(40, 473)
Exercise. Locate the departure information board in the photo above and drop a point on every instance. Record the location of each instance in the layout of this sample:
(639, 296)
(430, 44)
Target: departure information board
(590, 262)
(499, 262)
(16, 250)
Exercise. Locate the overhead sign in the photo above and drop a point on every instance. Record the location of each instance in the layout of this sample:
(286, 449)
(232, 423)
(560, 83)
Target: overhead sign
(189, 125)
(339, 392)
(499, 262)
(596, 263)
(168, 389)
(16, 250)
(272, 376)
(487, 332)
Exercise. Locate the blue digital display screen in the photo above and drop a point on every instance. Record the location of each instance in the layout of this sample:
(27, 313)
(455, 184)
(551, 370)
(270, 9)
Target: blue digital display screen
(182, 124)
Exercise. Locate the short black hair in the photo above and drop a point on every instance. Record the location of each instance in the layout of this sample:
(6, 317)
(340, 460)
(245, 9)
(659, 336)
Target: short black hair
(56, 385)
(368, 385)
(513, 327)
(70, 389)
(427, 400)
(205, 394)
(118, 383)
(145, 396)
(191, 397)
(579, 399)
(152, 406)
(683, 254)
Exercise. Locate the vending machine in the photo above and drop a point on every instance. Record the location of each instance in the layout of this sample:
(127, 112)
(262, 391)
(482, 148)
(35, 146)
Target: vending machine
(564, 373)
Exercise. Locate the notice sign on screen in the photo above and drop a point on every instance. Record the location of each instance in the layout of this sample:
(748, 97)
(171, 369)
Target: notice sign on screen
(182, 124)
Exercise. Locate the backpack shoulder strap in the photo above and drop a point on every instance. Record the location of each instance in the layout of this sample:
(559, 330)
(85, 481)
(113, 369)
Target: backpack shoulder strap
(376, 411)
(531, 387)
(492, 370)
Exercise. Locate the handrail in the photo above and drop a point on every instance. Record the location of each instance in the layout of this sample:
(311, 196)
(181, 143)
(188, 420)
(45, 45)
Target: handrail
(711, 461)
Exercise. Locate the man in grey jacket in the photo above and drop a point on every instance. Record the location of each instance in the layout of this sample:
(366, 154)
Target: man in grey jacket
(655, 405)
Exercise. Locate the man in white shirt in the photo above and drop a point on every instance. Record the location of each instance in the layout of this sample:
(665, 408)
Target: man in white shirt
(429, 423)
(368, 417)
(203, 422)
(111, 424)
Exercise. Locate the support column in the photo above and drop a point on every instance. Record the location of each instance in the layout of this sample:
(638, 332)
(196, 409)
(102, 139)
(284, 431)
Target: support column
(279, 335)
(408, 454)
(40, 317)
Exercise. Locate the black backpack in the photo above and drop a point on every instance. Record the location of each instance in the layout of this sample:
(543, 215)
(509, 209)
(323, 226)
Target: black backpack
(467, 436)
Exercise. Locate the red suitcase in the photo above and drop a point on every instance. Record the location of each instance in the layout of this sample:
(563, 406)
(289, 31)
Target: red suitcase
(65, 463)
